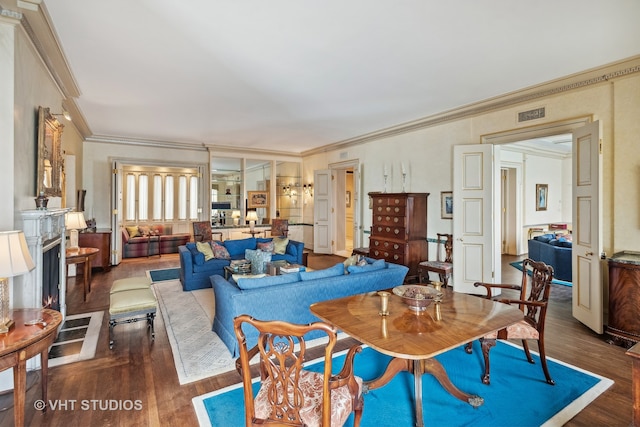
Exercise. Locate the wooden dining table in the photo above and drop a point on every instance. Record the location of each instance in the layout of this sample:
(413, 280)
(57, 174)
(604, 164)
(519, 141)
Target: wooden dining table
(412, 338)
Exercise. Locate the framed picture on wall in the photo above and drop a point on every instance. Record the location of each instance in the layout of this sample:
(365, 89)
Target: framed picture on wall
(542, 196)
(257, 199)
(446, 204)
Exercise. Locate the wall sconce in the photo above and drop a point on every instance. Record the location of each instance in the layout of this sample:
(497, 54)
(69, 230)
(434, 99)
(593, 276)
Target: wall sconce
(64, 114)
(308, 189)
(286, 190)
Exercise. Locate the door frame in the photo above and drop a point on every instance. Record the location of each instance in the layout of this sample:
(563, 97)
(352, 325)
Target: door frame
(339, 195)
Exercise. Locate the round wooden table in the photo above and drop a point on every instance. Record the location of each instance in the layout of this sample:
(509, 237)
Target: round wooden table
(22, 342)
(83, 256)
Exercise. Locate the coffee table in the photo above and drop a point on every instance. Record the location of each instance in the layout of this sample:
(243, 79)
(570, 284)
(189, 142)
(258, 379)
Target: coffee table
(415, 338)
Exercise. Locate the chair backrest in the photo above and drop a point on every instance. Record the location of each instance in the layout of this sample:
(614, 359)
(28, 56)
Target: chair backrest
(281, 367)
(279, 227)
(202, 231)
(535, 287)
(444, 252)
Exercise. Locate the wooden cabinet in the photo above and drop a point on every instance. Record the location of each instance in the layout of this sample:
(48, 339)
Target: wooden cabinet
(100, 239)
(624, 298)
(399, 229)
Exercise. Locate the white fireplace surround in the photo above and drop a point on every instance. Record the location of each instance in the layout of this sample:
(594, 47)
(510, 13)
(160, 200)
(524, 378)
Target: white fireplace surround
(43, 229)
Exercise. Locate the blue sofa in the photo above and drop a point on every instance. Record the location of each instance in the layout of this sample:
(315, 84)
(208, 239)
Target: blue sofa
(288, 296)
(195, 271)
(553, 251)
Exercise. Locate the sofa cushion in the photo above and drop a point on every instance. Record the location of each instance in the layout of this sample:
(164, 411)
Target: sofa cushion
(198, 257)
(219, 251)
(375, 265)
(248, 283)
(144, 230)
(205, 249)
(336, 270)
(239, 246)
(213, 266)
(280, 245)
(133, 231)
(265, 246)
(545, 238)
(258, 260)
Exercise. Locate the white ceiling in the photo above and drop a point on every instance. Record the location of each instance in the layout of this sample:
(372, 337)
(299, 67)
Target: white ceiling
(293, 75)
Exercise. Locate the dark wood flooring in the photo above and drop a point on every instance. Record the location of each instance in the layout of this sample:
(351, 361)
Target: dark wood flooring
(137, 369)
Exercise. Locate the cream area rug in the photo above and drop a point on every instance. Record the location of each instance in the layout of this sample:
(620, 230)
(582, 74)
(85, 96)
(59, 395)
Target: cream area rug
(198, 352)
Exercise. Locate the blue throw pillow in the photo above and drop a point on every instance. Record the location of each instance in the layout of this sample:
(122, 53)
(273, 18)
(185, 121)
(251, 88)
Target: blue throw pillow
(236, 247)
(336, 270)
(268, 281)
(376, 265)
(545, 238)
(198, 257)
(258, 260)
(292, 249)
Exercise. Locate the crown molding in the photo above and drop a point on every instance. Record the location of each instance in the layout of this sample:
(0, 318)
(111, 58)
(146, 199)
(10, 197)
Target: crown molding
(592, 77)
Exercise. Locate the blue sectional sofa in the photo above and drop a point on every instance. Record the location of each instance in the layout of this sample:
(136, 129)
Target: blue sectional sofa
(288, 297)
(195, 271)
(554, 251)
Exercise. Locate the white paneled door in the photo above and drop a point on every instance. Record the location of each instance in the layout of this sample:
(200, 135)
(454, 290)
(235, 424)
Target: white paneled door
(322, 212)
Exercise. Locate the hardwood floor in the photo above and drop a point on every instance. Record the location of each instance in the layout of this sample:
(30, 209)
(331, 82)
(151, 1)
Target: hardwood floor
(137, 369)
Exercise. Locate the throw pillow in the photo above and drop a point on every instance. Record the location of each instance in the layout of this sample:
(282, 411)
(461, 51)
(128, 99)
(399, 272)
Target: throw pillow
(266, 246)
(133, 231)
(219, 251)
(280, 245)
(376, 265)
(258, 260)
(145, 230)
(205, 249)
(198, 257)
(336, 270)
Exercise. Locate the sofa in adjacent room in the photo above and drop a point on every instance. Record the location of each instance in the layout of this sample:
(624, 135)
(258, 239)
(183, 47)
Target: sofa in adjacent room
(288, 296)
(553, 250)
(195, 271)
(137, 238)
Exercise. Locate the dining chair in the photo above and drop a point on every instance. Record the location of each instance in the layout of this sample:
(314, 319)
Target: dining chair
(203, 232)
(443, 265)
(288, 394)
(279, 227)
(533, 302)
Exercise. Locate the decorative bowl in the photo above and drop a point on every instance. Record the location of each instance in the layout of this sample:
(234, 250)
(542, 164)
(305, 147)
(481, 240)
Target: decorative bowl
(416, 297)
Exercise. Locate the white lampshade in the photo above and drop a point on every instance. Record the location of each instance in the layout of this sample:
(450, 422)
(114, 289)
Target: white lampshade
(235, 214)
(74, 221)
(15, 258)
(252, 216)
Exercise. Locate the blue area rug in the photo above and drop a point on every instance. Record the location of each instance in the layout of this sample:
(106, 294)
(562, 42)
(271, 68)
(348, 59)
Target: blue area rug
(164, 274)
(507, 401)
(518, 265)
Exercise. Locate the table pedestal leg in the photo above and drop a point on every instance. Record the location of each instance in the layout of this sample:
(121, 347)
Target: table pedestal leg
(418, 368)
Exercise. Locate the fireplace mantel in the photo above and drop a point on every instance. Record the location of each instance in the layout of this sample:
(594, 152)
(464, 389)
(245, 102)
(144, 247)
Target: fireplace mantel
(43, 229)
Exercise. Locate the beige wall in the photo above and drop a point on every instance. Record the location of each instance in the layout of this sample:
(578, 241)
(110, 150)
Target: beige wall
(427, 153)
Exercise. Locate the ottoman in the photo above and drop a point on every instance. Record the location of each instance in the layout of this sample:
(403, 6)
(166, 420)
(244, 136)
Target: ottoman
(131, 300)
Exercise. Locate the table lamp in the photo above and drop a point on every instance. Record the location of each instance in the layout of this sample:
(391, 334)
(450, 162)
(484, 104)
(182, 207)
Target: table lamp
(74, 221)
(252, 217)
(236, 217)
(15, 259)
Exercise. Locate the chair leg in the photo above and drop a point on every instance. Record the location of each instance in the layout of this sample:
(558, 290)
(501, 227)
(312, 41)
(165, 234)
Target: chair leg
(525, 346)
(357, 416)
(543, 362)
(486, 348)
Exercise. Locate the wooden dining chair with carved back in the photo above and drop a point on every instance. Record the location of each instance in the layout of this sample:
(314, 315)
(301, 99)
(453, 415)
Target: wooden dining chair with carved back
(443, 265)
(288, 394)
(279, 227)
(533, 301)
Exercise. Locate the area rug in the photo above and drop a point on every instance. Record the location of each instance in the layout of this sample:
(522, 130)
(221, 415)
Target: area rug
(518, 265)
(198, 352)
(163, 274)
(77, 339)
(518, 394)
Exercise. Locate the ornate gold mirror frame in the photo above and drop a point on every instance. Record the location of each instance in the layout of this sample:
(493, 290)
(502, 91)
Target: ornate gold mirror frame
(50, 162)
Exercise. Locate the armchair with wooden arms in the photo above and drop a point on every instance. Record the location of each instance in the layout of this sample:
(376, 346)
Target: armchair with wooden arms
(311, 399)
(533, 305)
(443, 265)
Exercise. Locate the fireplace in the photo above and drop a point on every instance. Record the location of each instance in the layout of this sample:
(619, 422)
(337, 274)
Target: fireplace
(51, 277)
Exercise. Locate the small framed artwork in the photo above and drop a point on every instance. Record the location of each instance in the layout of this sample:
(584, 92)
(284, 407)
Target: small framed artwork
(348, 199)
(257, 199)
(446, 204)
(542, 195)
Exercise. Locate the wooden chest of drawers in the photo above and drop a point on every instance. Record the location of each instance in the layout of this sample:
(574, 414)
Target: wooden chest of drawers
(399, 228)
(100, 239)
(624, 298)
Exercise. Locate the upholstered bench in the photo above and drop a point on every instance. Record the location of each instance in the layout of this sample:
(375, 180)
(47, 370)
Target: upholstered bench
(131, 300)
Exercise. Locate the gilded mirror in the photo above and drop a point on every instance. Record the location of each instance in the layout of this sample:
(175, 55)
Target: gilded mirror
(50, 163)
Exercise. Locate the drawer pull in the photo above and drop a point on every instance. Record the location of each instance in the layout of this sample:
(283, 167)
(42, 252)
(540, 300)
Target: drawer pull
(395, 257)
(397, 209)
(395, 246)
(396, 231)
(388, 229)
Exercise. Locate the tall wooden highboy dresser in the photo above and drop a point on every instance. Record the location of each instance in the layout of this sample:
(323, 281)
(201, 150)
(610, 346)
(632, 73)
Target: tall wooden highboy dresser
(399, 229)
